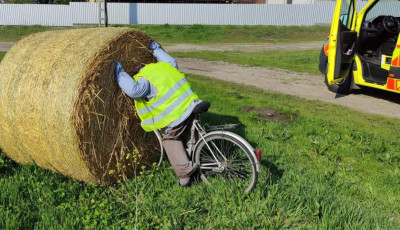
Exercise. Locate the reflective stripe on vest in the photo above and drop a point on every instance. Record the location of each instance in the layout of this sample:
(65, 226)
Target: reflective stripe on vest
(173, 98)
(164, 98)
(169, 109)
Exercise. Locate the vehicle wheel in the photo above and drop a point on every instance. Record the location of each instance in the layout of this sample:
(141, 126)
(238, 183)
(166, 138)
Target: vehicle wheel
(343, 87)
(153, 143)
(237, 167)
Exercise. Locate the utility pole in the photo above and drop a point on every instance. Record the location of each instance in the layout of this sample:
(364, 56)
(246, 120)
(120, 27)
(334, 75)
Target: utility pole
(103, 16)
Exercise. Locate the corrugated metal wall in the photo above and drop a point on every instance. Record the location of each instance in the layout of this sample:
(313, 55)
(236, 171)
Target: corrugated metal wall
(88, 13)
(388, 7)
(232, 14)
(174, 14)
(35, 14)
(119, 13)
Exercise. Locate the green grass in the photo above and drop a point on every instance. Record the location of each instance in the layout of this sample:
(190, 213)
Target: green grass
(15, 33)
(202, 34)
(305, 61)
(331, 168)
(2, 54)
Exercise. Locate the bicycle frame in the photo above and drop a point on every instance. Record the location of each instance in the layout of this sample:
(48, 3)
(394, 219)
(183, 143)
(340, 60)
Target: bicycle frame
(201, 131)
(196, 127)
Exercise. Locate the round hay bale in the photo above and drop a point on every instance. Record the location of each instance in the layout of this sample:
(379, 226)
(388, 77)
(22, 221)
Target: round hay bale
(61, 108)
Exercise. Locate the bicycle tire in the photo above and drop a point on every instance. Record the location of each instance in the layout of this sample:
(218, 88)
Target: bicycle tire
(154, 139)
(239, 166)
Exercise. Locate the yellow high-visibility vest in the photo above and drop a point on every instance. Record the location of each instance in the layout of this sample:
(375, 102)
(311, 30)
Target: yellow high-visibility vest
(173, 98)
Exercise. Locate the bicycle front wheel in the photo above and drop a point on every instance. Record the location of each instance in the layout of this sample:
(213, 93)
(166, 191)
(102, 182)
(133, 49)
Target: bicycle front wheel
(224, 158)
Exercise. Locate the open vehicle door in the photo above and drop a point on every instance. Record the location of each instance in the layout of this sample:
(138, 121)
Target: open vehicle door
(342, 41)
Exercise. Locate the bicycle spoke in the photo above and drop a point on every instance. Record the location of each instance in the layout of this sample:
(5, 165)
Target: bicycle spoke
(209, 164)
(208, 159)
(228, 149)
(247, 164)
(233, 174)
(209, 168)
(239, 170)
(239, 173)
(217, 150)
(211, 173)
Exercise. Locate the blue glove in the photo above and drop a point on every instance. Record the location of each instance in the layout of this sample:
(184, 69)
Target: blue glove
(117, 69)
(154, 45)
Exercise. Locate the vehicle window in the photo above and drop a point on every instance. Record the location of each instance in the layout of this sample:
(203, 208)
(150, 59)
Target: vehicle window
(346, 13)
(384, 7)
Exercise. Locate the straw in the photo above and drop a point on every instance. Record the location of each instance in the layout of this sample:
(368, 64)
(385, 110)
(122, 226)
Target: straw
(61, 108)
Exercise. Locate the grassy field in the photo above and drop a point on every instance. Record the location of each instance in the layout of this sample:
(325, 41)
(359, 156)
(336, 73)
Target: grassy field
(201, 34)
(14, 33)
(326, 169)
(304, 61)
(330, 168)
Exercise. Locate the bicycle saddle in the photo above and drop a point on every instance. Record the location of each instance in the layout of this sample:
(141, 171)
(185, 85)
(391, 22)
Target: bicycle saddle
(202, 107)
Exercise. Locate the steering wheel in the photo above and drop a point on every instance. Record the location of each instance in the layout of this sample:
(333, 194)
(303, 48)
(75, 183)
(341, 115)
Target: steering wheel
(391, 24)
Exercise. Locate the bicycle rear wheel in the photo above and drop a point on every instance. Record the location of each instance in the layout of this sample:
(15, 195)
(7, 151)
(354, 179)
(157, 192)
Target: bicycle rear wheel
(223, 156)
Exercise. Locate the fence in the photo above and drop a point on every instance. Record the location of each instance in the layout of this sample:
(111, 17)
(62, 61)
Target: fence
(174, 14)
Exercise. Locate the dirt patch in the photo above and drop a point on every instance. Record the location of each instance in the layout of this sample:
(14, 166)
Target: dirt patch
(237, 95)
(269, 113)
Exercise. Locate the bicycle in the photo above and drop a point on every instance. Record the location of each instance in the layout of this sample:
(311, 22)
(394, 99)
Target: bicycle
(220, 154)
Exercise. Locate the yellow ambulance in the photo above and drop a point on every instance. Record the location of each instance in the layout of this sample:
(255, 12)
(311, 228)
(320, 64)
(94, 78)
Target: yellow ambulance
(363, 48)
